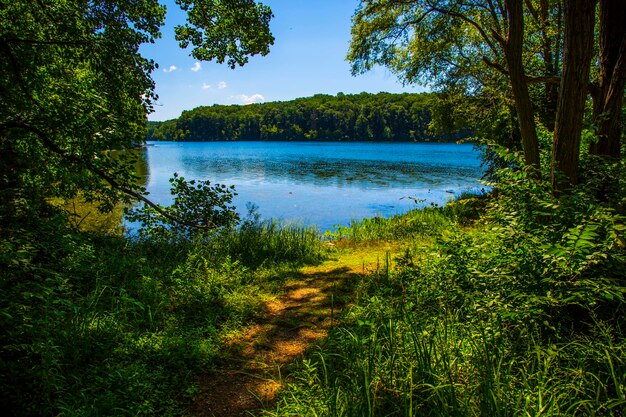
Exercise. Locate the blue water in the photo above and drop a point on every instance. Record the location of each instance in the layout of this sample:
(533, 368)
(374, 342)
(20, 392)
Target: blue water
(324, 184)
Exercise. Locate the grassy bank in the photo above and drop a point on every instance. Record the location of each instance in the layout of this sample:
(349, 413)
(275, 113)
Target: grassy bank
(507, 304)
(103, 325)
(513, 305)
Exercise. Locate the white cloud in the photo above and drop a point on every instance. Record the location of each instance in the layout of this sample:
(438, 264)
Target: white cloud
(206, 86)
(221, 85)
(254, 98)
(171, 68)
(196, 67)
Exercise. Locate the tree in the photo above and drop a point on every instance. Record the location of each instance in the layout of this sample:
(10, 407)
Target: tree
(608, 91)
(543, 49)
(449, 43)
(470, 46)
(73, 86)
(228, 31)
(579, 23)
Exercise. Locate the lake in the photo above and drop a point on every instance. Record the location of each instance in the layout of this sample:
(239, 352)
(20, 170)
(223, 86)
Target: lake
(320, 183)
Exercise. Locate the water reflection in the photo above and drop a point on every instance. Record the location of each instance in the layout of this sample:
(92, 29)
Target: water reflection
(331, 172)
(319, 183)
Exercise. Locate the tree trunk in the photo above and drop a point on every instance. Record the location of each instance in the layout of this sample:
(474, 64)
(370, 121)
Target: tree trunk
(549, 55)
(607, 102)
(579, 26)
(523, 104)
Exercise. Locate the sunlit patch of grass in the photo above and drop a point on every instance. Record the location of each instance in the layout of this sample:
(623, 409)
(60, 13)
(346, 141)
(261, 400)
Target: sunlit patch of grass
(86, 217)
(116, 326)
(421, 223)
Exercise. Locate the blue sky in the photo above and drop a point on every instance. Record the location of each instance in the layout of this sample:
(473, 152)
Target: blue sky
(308, 57)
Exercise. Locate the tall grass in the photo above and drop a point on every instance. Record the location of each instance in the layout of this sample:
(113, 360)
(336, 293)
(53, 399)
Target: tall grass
(382, 363)
(424, 222)
(513, 316)
(269, 242)
(101, 325)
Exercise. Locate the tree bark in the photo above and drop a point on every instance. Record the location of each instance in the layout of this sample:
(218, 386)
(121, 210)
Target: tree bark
(549, 52)
(579, 36)
(607, 102)
(523, 103)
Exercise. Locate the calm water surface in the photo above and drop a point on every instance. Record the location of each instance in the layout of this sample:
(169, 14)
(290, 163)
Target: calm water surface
(323, 184)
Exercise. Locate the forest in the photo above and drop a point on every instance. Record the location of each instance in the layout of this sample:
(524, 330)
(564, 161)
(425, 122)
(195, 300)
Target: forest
(507, 303)
(344, 117)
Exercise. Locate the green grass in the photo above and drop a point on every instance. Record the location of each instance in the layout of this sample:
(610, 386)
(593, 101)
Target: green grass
(397, 366)
(424, 222)
(103, 325)
(513, 309)
(501, 318)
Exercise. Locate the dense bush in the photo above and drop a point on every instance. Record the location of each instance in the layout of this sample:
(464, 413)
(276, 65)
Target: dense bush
(520, 314)
(102, 325)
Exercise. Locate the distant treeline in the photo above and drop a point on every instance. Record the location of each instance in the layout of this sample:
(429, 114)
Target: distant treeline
(359, 117)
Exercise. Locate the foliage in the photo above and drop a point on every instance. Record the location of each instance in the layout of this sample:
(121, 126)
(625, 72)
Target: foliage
(522, 313)
(72, 90)
(221, 30)
(197, 207)
(97, 325)
(344, 117)
(75, 86)
(528, 59)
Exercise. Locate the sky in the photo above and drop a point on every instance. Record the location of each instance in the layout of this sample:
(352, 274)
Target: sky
(307, 58)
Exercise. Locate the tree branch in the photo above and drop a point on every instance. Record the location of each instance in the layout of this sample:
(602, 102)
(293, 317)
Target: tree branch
(530, 79)
(479, 28)
(48, 143)
(532, 10)
(52, 42)
(494, 65)
(18, 75)
(494, 16)
(547, 79)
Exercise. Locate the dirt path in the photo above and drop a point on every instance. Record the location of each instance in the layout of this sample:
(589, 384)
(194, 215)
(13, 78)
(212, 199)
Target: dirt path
(254, 364)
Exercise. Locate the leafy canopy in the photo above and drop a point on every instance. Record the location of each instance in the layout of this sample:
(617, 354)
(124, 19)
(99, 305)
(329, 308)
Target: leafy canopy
(74, 86)
(225, 30)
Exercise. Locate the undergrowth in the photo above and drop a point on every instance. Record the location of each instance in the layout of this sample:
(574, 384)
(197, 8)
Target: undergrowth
(500, 305)
(103, 325)
(520, 314)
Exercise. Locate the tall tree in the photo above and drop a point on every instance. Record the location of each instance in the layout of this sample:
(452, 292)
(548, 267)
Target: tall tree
(608, 92)
(545, 23)
(512, 46)
(452, 42)
(579, 36)
(73, 85)
(464, 46)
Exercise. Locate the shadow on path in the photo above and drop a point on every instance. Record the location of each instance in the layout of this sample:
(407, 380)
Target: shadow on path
(253, 366)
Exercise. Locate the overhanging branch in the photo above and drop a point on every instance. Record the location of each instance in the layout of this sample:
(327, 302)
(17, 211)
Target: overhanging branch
(48, 143)
(49, 42)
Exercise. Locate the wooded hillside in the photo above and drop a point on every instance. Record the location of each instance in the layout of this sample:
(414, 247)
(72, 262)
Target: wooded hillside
(344, 117)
